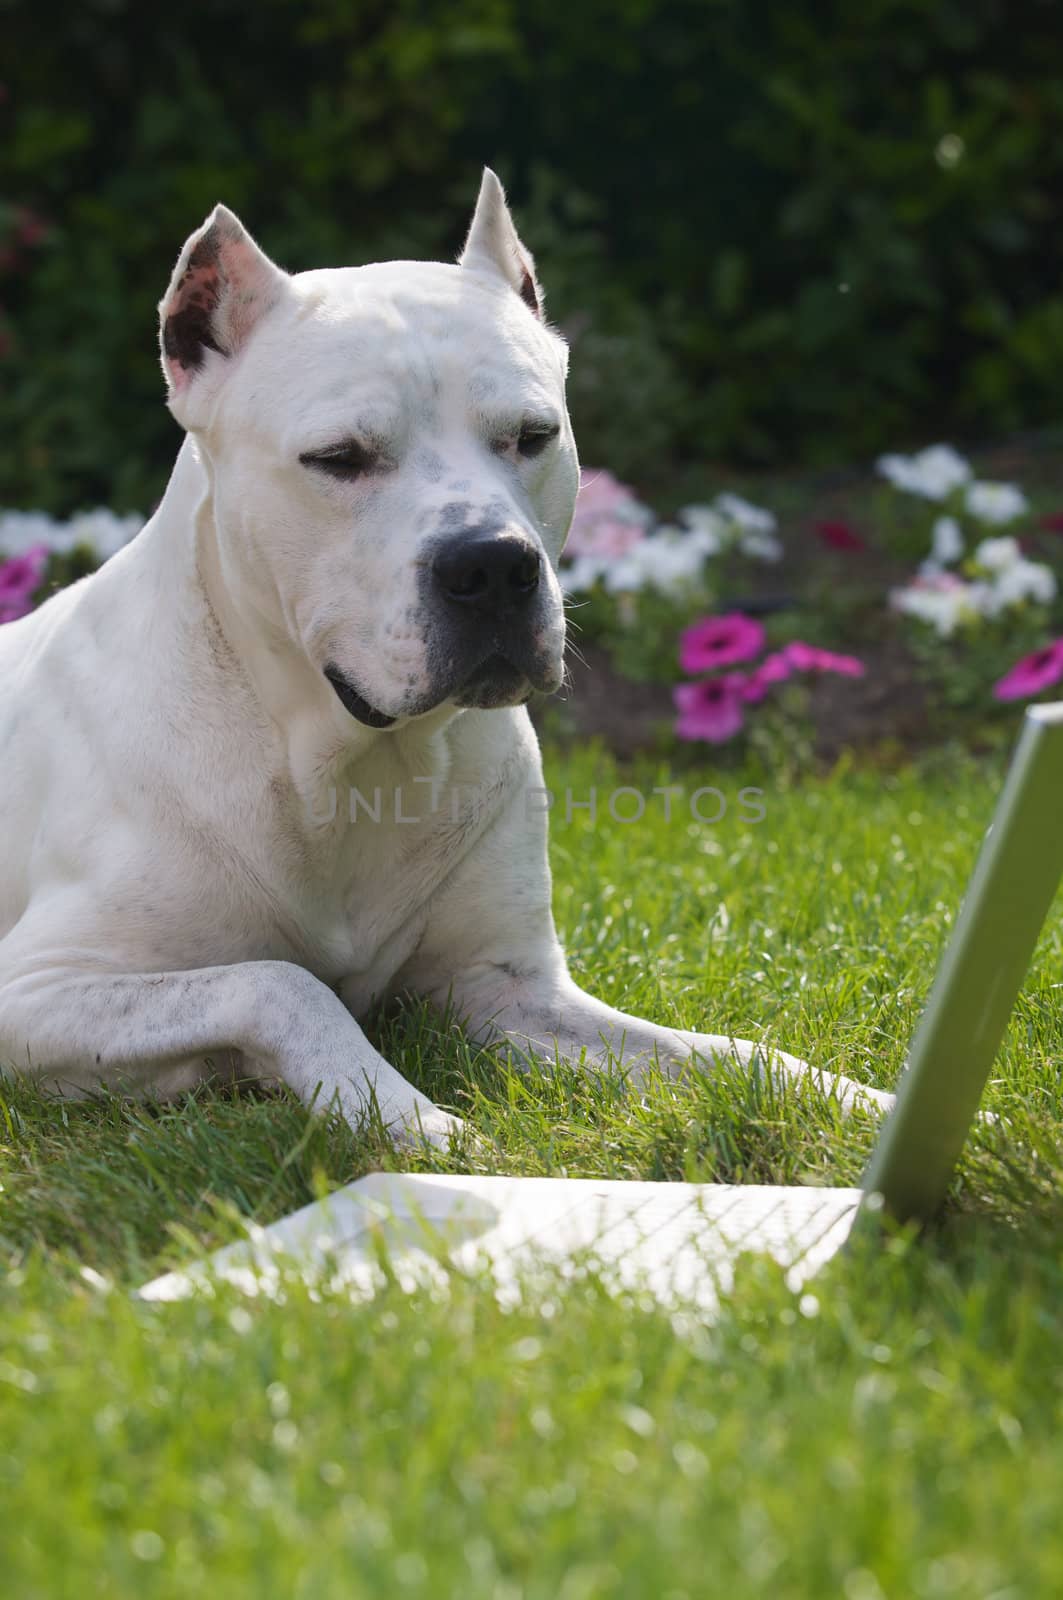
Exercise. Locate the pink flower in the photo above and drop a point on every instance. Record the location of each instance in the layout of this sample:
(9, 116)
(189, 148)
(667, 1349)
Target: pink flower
(1034, 672)
(809, 658)
(1053, 522)
(710, 710)
(601, 493)
(802, 657)
(608, 519)
(845, 666)
(720, 642)
(607, 537)
(20, 579)
(839, 536)
(773, 669)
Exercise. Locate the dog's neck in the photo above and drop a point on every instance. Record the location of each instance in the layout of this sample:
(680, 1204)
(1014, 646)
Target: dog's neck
(297, 710)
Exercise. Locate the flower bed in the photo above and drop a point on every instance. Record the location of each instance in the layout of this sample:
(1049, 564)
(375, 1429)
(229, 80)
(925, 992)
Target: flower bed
(971, 625)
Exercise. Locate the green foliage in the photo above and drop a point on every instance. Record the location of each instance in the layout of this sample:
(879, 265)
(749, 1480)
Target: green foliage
(781, 233)
(960, 670)
(639, 630)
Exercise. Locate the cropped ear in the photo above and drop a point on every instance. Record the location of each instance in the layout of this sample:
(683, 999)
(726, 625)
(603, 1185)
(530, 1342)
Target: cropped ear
(222, 285)
(494, 247)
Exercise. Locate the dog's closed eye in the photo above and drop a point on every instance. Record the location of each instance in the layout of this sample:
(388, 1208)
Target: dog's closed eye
(535, 436)
(348, 459)
(532, 439)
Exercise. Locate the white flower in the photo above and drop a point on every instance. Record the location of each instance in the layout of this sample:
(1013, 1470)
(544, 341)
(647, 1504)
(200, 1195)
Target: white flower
(996, 503)
(732, 520)
(946, 604)
(753, 519)
(947, 543)
(623, 575)
(940, 610)
(698, 544)
(706, 526)
(760, 546)
(932, 473)
(101, 530)
(577, 576)
(1025, 580)
(678, 565)
(981, 601)
(996, 555)
(667, 561)
(21, 530)
(673, 557)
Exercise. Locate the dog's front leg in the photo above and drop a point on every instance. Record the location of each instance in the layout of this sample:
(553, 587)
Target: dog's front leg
(543, 1014)
(491, 952)
(130, 1031)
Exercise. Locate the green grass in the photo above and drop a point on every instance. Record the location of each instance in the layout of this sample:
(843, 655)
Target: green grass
(895, 1434)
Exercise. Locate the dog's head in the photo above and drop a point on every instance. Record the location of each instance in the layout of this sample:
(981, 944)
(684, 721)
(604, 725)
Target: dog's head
(392, 466)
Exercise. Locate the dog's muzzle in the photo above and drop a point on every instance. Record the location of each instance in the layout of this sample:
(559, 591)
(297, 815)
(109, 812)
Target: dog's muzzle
(487, 595)
(489, 641)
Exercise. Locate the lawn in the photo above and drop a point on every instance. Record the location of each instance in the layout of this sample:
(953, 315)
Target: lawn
(896, 1432)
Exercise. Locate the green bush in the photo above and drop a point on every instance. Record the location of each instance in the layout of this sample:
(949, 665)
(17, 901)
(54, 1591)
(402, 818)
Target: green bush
(784, 233)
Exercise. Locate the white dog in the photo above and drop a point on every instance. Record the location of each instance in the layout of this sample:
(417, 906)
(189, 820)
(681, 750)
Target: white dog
(272, 761)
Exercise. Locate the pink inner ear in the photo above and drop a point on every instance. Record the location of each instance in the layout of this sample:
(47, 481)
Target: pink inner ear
(244, 275)
(188, 322)
(198, 287)
(224, 287)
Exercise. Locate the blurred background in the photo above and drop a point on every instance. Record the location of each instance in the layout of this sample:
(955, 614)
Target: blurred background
(789, 235)
(809, 252)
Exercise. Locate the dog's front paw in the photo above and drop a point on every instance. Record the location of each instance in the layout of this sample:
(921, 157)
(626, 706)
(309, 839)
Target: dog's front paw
(433, 1127)
(862, 1097)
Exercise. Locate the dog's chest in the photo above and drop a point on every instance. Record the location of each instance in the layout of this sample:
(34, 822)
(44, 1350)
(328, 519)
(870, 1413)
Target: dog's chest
(359, 869)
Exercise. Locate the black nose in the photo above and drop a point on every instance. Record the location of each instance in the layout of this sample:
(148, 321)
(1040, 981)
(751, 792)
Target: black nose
(488, 575)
